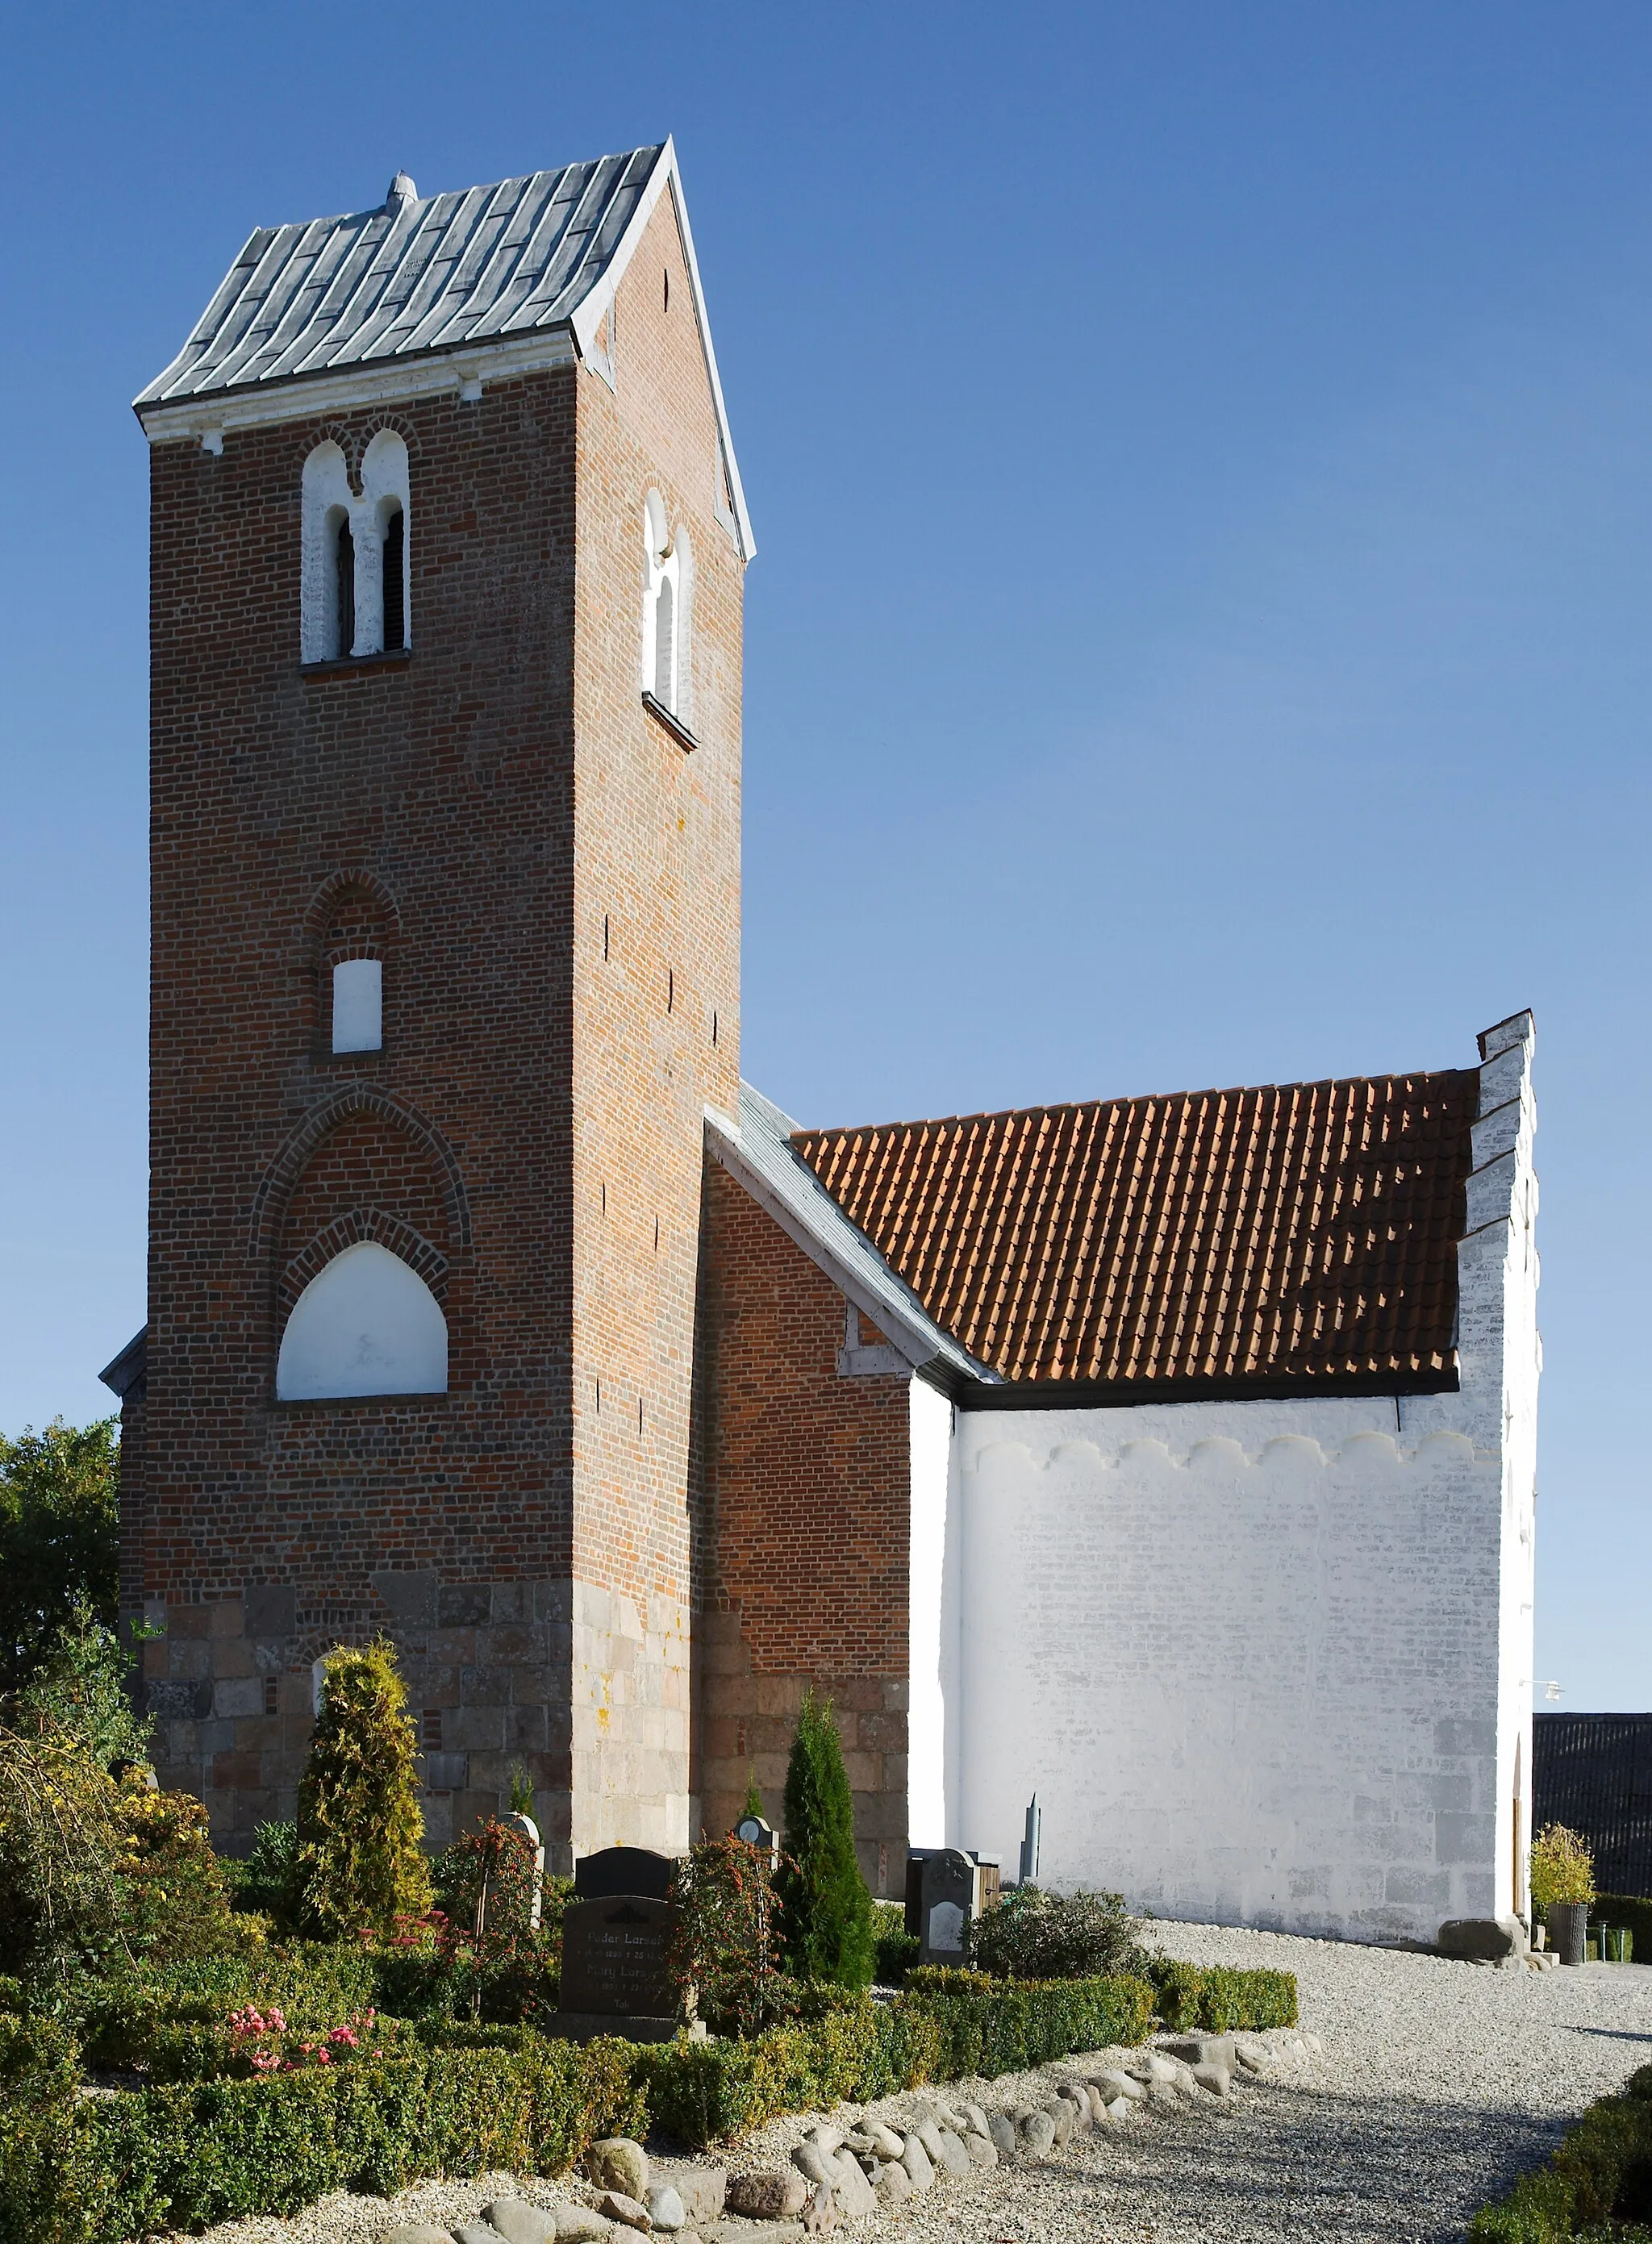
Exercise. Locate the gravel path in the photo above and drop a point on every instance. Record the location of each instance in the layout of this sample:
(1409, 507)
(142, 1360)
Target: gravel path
(1439, 2082)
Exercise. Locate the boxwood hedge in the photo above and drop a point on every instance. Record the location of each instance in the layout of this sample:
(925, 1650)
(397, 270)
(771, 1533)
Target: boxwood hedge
(454, 2095)
(1602, 2175)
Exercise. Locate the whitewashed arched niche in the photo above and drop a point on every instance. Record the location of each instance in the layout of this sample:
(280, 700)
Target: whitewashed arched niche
(668, 610)
(343, 594)
(365, 1325)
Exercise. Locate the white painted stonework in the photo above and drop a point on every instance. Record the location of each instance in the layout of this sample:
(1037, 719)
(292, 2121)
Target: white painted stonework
(1263, 1662)
(328, 500)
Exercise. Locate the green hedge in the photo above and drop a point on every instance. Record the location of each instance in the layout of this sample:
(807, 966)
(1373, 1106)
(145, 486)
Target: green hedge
(189, 2155)
(947, 2026)
(1601, 2172)
(455, 2096)
(1216, 1998)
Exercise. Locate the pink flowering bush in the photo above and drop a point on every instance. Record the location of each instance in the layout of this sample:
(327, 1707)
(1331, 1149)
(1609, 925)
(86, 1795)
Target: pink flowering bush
(262, 2041)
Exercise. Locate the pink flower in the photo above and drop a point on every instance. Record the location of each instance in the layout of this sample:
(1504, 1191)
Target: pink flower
(263, 2061)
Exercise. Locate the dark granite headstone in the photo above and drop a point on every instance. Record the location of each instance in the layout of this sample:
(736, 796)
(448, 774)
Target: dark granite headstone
(947, 1906)
(614, 1956)
(624, 1870)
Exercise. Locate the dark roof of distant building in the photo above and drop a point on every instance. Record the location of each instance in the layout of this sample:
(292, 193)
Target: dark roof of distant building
(1593, 1774)
(1292, 1238)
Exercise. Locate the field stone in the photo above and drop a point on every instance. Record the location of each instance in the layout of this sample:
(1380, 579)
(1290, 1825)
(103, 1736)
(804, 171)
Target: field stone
(1114, 2084)
(577, 2224)
(666, 2208)
(630, 2212)
(468, 2232)
(702, 2190)
(1062, 2116)
(894, 2184)
(953, 2155)
(815, 2165)
(417, 2231)
(518, 2222)
(886, 2143)
(975, 2121)
(826, 2137)
(854, 2193)
(1037, 2132)
(619, 2163)
(915, 2159)
(1120, 2108)
(1216, 2079)
(981, 2150)
(766, 2196)
(1001, 2128)
(1075, 2094)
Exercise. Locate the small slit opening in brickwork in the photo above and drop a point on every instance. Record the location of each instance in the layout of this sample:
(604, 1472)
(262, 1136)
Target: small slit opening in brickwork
(639, 1414)
(272, 1693)
(599, 1388)
(714, 1025)
(665, 277)
(604, 1195)
(605, 935)
(431, 1729)
(671, 989)
(656, 1234)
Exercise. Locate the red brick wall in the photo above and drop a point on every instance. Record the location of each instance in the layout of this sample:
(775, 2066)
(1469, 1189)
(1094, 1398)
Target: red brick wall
(808, 1477)
(473, 814)
(657, 1037)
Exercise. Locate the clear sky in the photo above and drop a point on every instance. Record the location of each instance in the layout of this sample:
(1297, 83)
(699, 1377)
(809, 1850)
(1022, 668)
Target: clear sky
(1202, 475)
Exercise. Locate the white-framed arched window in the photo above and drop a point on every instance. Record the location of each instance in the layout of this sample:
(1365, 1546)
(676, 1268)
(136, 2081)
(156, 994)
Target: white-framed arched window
(367, 1324)
(355, 578)
(667, 611)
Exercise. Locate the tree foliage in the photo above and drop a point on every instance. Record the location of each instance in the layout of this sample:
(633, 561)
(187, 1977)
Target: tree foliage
(59, 1505)
(827, 1912)
(358, 1861)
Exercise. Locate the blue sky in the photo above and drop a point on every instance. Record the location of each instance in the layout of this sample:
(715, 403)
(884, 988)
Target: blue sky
(1203, 477)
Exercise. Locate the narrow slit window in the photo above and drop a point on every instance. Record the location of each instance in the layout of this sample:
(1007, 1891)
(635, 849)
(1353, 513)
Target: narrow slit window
(395, 583)
(344, 595)
(358, 1005)
(666, 645)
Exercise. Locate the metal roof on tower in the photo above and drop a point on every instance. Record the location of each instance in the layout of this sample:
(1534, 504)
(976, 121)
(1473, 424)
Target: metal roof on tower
(411, 276)
(417, 281)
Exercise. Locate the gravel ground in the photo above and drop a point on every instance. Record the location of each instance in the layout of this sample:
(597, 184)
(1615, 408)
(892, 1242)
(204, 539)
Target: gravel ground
(1439, 2082)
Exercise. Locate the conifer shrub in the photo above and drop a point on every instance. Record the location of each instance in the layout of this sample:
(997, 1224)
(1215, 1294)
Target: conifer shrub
(826, 1922)
(357, 1864)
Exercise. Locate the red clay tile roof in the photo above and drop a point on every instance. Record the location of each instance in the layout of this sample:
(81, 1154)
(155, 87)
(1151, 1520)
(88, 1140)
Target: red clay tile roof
(1295, 1236)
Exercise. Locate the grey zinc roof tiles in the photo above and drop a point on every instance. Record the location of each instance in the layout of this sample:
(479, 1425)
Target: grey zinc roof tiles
(394, 283)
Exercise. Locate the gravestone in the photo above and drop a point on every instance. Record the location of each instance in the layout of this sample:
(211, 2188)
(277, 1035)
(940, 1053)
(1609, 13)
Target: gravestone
(948, 1903)
(623, 1871)
(530, 1830)
(763, 1836)
(616, 1937)
(614, 1978)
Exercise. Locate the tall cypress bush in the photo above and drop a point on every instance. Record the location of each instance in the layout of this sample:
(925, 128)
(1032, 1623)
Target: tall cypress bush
(826, 1912)
(358, 1860)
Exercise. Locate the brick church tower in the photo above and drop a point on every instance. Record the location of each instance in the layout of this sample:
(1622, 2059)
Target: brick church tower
(447, 548)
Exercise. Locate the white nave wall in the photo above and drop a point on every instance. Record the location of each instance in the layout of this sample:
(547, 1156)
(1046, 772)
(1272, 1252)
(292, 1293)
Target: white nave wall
(1267, 1662)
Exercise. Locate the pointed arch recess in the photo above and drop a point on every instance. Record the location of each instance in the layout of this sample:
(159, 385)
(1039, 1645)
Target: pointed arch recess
(275, 1187)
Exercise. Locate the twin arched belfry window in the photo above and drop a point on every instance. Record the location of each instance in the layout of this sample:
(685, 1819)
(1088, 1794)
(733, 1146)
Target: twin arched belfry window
(354, 597)
(667, 611)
